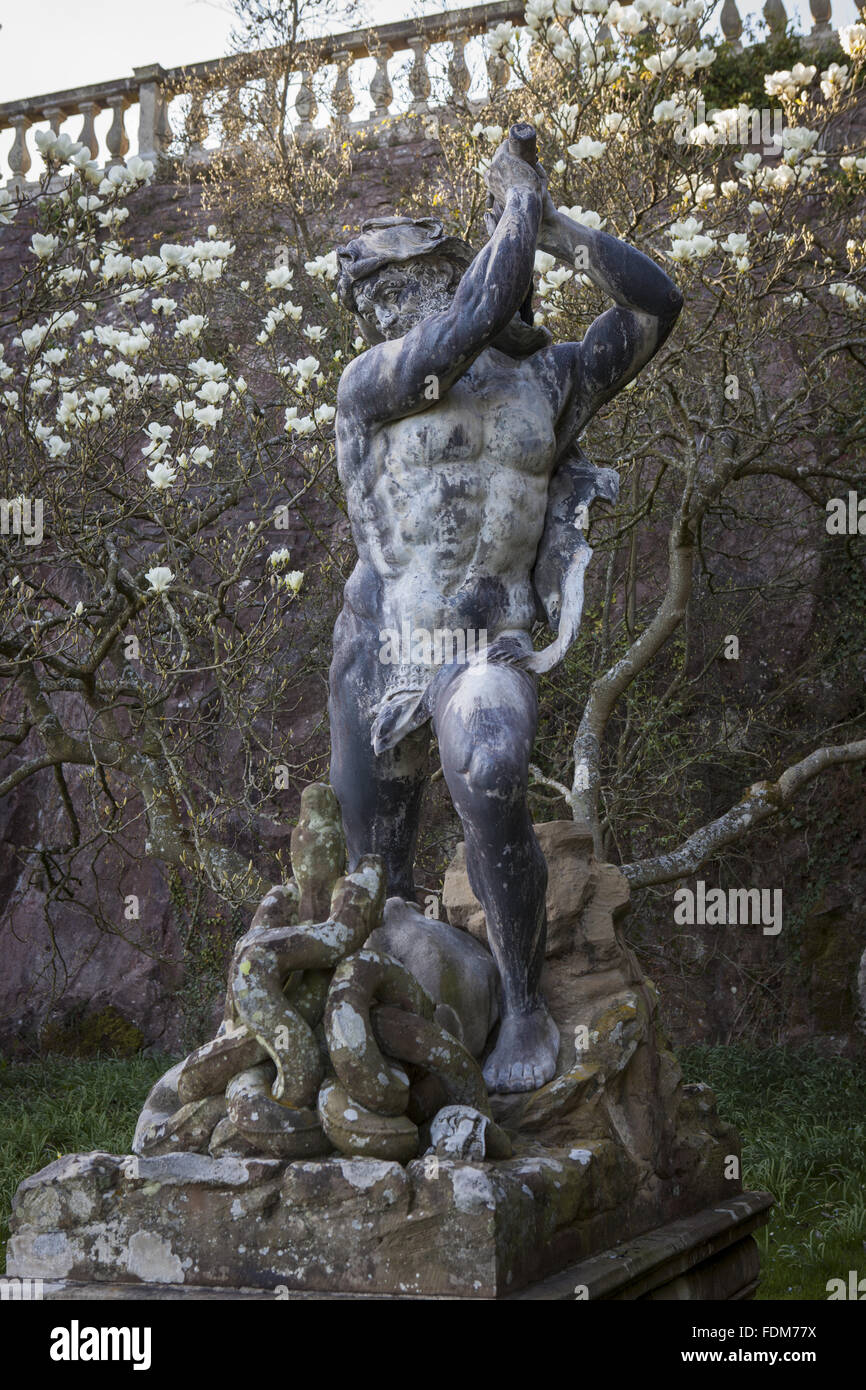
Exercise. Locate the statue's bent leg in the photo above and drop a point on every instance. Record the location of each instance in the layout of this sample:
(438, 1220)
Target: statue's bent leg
(380, 795)
(485, 720)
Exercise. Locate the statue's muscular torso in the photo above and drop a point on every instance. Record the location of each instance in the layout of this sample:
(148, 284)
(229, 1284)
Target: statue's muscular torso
(448, 504)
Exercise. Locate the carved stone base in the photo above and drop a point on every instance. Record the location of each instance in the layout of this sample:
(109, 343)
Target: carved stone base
(614, 1180)
(434, 1228)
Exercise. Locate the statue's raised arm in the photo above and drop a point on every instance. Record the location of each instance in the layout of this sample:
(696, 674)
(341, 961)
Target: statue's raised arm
(443, 329)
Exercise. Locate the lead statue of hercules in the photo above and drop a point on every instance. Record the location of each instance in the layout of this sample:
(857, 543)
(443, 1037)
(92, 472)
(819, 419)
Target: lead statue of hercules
(456, 447)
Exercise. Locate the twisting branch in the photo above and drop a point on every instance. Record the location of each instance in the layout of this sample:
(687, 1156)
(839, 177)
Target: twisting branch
(761, 802)
(606, 690)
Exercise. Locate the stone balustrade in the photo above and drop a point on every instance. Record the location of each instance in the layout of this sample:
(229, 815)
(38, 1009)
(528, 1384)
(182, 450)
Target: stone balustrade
(427, 56)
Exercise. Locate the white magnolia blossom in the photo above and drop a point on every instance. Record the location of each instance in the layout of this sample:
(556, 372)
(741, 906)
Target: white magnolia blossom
(112, 217)
(203, 367)
(695, 58)
(786, 84)
(849, 294)
(834, 80)
(293, 580)
(538, 13)
(586, 148)
(851, 164)
(279, 277)
(295, 424)
(323, 267)
(212, 392)
(191, 327)
(159, 578)
(161, 476)
(662, 61)
(797, 141)
(324, 414)
(749, 164)
(616, 123)
(737, 243)
(314, 333)
(707, 135)
(33, 338)
(692, 248)
(116, 266)
(853, 40)
(59, 148)
(43, 245)
(777, 180)
(149, 267)
(664, 112)
(280, 557)
(500, 38)
(208, 416)
(626, 18)
(306, 367)
(585, 216)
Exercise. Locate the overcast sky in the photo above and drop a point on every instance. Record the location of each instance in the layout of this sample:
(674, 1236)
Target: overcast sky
(49, 45)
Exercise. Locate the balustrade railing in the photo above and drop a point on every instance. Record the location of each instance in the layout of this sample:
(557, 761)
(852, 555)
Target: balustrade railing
(332, 77)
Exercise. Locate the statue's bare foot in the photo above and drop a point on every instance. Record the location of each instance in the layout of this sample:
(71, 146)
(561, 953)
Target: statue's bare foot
(524, 1057)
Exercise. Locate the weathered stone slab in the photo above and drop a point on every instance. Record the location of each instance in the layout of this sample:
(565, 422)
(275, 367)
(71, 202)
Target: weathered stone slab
(436, 1227)
(709, 1256)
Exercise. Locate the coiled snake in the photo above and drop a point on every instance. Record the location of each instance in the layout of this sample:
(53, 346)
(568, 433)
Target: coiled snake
(324, 1044)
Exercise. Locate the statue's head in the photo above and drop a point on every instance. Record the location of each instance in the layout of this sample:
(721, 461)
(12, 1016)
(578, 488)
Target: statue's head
(399, 271)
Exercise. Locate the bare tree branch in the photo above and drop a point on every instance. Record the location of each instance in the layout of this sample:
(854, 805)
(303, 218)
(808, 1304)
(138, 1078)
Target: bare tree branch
(761, 802)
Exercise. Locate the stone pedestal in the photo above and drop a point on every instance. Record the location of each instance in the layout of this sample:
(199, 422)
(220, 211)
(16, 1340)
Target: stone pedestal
(623, 1182)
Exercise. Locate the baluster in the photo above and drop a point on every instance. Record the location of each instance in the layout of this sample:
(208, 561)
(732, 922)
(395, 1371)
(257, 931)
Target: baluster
(381, 91)
(458, 73)
(732, 25)
(821, 14)
(19, 155)
(88, 137)
(55, 116)
(498, 73)
(269, 105)
(117, 139)
(306, 106)
(196, 127)
(232, 120)
(342, 96)
(163, 124)
(419, 77)
(776, 17)
(150, 103)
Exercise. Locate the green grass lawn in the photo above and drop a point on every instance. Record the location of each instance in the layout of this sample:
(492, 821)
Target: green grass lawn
(802, 1118)
(62, 1105)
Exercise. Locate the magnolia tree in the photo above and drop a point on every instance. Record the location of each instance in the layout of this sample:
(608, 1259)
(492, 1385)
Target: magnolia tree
(155, 627)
